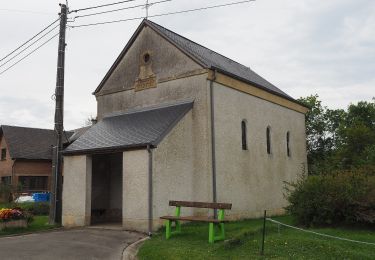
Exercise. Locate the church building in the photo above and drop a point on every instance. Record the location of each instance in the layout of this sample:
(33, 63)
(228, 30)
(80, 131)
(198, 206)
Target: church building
(178, 121)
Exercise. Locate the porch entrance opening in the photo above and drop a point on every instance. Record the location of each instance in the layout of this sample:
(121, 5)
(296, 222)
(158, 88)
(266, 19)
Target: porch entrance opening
(106, 192)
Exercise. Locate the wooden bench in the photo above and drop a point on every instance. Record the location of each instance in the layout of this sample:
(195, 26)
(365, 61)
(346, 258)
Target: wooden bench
(211, 221)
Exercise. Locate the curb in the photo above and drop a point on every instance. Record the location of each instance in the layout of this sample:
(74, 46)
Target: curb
(131, 251)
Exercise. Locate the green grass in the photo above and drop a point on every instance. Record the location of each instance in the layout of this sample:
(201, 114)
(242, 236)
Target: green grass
(244, 240)
(39, 223)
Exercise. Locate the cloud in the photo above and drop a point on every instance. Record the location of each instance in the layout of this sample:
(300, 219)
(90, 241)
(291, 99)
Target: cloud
(303, 47)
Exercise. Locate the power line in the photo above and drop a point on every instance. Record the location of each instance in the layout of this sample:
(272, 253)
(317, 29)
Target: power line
(40, 46)
(99, 6)
(22, 51)
(32, 38)
(120, 9)
(163, 14)
(24, 11)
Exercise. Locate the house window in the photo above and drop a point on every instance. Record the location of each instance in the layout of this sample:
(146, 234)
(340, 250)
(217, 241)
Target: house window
(7, 180)
(268, 133)
(287, 144)
(3, 154)
(244, 135)
(33, 183)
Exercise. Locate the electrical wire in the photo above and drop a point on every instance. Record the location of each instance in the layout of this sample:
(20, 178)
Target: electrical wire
(99, 6)
(41, 37)
(163, 14)
(24, 11)
(120, 9)
(40, 46)
(32, 38)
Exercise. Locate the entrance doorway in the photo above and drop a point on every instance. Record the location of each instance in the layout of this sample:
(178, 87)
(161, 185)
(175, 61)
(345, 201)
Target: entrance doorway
(106, 190)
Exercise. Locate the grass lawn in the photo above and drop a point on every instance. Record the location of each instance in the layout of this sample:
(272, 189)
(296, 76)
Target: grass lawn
(38, 224)
(244, 240)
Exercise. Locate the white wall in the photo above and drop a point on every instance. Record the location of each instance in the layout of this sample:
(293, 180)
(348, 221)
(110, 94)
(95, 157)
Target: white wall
(253, 180)
(76, 208)
(135, 190)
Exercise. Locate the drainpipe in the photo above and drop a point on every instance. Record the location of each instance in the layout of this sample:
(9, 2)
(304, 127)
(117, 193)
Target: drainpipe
(213, 152)
(150, 217)
(12, 178)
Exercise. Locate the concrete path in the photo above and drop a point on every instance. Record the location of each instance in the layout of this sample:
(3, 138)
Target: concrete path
(86, 243)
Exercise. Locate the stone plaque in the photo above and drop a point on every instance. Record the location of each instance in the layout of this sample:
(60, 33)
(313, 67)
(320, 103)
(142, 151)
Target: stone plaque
(145, 83)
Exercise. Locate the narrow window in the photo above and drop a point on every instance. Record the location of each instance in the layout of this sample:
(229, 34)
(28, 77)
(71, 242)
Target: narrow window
(244, 135)
(268, 133)
(287, 144)
(3, 154)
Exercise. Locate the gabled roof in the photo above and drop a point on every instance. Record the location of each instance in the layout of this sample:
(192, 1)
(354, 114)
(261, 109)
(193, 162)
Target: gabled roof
(29, 143)
(133, 129)
(203, 56)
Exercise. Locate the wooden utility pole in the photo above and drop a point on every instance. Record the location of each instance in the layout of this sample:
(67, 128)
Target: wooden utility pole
(56, 187)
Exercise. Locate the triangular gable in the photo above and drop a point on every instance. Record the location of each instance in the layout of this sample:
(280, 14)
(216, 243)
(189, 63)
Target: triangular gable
(144, 23)
(202, 56)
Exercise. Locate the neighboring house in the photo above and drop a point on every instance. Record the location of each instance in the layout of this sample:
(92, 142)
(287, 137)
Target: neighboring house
(26, 157)
(177, 121)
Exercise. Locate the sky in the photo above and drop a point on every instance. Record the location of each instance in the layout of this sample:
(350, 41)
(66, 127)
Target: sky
(303, 47)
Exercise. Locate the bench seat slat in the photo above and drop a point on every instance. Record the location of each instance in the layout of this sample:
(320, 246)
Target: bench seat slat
(194, 204)
(194, 218)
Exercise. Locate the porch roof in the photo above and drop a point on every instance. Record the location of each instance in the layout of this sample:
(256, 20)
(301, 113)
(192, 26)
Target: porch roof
(133, 129)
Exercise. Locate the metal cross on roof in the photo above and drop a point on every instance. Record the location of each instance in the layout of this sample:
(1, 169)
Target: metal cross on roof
(146, 7)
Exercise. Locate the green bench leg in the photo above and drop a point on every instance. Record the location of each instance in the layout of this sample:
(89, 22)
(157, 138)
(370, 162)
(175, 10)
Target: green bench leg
(211, 229)
(168, 231)
(178, 226)
(211, 233)
(168, 228)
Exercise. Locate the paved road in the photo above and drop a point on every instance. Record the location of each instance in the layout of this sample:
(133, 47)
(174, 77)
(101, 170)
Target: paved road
(68, 244)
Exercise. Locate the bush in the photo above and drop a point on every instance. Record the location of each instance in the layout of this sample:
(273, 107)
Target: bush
(35, 208)
(331, 199)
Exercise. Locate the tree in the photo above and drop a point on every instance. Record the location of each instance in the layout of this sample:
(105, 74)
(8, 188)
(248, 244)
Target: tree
(357, 135)
(322, 127)
(339, 139)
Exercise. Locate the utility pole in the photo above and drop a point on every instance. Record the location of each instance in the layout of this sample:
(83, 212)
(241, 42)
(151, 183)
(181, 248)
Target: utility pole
(56, 184)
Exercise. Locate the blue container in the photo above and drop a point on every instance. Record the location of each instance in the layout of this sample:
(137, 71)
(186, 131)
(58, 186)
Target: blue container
(41, 197)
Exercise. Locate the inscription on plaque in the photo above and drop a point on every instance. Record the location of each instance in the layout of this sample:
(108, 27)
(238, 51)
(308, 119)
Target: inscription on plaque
(142, 84)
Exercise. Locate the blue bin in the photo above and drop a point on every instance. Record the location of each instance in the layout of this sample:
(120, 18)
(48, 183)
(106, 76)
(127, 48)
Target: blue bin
(41, 197)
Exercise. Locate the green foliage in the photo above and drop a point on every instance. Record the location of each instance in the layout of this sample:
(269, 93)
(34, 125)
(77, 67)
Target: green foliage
(5, 192)
(339, 139)
(9, 192)
(336, 198)
(35, 208)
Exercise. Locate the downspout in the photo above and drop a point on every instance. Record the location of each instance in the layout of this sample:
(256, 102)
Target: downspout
(12, 180)
(213, 152)
(150, 211)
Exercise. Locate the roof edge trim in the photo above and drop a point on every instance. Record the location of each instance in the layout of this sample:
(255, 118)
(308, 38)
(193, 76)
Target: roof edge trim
(239, 83)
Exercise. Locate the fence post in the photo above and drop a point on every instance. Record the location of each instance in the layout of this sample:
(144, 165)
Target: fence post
(264, 232)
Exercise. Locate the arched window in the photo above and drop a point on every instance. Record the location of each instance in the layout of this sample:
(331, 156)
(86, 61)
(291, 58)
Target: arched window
(268, 133)
(287, 143)
(244, 135)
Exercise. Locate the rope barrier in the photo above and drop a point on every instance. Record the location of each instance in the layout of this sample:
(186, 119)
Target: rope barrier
(320, 234)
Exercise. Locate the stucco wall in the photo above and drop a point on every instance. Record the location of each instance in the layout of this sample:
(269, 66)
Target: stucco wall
(175, 174)
(135, 190)
(252, 179)
(76, 208)
(166, 61)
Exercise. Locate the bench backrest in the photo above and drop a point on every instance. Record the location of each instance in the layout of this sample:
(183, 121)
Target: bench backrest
(194, 204)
